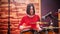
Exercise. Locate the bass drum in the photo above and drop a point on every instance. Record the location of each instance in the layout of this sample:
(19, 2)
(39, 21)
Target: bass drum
(42, 32)
(51, 32)
(28, 32)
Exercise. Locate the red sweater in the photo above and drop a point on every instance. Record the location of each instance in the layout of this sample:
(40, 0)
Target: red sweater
(28, 20)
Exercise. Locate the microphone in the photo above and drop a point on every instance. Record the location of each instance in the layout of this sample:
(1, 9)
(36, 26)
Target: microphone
(45, 16)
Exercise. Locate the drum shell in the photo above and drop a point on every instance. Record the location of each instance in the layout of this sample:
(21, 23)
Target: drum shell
(27, 32)
(49, 32)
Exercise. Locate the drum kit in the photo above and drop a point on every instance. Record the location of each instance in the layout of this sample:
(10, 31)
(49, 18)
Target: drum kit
(51, 31)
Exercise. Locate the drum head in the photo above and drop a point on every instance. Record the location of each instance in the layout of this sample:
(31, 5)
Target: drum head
(27, 32)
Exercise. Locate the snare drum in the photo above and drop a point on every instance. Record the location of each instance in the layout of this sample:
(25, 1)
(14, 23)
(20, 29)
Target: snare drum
(51, 32)
(26, 32)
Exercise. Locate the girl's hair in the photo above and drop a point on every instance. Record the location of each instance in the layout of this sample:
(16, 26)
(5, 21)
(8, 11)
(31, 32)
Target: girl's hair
(28, 9)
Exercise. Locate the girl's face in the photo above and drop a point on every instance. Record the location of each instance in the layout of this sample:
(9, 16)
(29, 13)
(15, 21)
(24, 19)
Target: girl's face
(31, 10)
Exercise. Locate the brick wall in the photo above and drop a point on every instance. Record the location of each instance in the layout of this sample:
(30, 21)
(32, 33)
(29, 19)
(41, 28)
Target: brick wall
(17, 11)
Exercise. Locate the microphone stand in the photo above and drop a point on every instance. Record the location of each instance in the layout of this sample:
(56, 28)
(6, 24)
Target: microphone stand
(8, 17)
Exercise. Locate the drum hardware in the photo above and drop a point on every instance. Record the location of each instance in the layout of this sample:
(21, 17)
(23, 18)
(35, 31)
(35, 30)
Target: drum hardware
(51, 28)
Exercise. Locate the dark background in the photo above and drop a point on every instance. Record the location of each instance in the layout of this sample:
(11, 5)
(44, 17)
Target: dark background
(53, 6)
(49, 5)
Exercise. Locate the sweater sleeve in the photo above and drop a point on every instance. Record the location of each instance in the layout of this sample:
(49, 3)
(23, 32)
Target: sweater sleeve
(21, 22)
(38, 18)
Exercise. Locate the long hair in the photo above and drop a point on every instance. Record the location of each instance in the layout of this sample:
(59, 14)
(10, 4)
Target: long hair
(28, 9)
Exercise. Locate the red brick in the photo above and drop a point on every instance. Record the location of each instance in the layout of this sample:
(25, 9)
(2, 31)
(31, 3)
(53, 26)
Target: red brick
(4, 28)
(20, 14)
(5, 12)
(36, 4)
(4, 21)
(3, 24)
(4, 6)
(15, 25)
(4, 9)
(15, 32)
(4, 16)
(14, 22)
(4, 2)
(20, 17)
(3, 31)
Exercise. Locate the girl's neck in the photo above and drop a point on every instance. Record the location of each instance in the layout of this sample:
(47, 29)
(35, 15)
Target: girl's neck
(30, 15)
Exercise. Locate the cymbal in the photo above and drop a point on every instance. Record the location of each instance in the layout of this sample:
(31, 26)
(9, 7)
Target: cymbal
(42, 23)
(51, 27)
